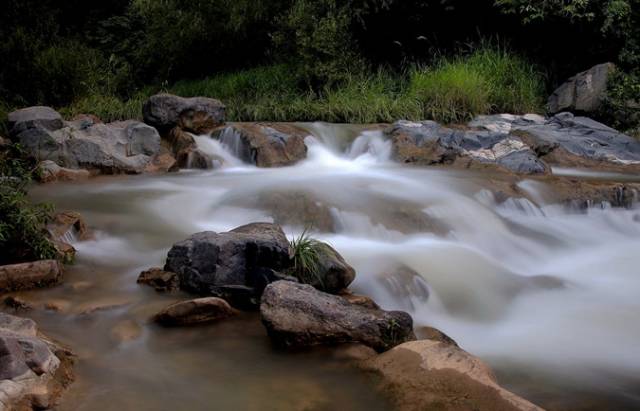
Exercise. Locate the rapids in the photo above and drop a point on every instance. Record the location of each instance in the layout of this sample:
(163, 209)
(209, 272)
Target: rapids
(546, 294)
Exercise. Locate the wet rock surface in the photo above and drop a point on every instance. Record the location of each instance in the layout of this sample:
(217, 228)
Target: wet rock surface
(265, 144)
(236, 265)
(582, 93)
(160, 280)
(32, 376)
(298, 315)
(332, 273)
(429, 374)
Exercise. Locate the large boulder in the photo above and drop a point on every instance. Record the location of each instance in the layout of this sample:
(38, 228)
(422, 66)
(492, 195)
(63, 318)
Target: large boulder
(198, 311)
(582, 93)
(198, 115)
(236, 265)
(265, 144)
(26, 276)
(297, 315)
(430, 374)
(32, 369)
(119, 147)
(429, 143)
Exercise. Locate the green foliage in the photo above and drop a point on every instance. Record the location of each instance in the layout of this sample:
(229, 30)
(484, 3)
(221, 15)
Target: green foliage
(22, 233)
(489, 80)
(621, 107)
(306, 258)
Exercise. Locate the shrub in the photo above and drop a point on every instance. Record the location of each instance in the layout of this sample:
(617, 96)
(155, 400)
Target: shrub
(22, 225)
(621, 107)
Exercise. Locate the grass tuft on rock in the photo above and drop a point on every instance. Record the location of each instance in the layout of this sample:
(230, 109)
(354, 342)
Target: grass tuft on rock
(306, 258)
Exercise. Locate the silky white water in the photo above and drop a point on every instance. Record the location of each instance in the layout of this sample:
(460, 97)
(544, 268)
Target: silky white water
(547, 295)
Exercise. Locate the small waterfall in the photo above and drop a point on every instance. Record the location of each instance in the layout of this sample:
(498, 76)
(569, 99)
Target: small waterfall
(371, 143)
(218, 153)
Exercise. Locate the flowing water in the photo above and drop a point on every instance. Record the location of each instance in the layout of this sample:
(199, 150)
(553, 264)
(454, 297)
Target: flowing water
(547, 295)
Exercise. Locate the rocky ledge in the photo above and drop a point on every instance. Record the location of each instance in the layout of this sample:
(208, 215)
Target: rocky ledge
(528, 144)
(33, 370)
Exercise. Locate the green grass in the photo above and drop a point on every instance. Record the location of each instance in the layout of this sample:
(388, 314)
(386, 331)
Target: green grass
(306, 258)
(489, 80)
(453, 90)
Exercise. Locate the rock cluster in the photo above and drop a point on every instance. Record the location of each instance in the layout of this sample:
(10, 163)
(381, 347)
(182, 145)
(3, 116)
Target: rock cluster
(528, 144)
(33, 370)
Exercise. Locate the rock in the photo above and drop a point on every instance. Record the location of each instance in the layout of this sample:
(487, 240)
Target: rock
(119, 147)
(68, 226)
(582, 93)
(265, 144)
(58, 305)
(238, 263)
(297, 315)
(430, 333)
(104, 304)
(26, 276)
(568, 141)
(198, 311)
(198, 115)
(297, 208)
(32, 118)
(426, 374)
(33, 370)
(332, 273)
(361, 300)
(159, 279)
(428, 143)
(17, 304)
(49, 171)
(408, 287)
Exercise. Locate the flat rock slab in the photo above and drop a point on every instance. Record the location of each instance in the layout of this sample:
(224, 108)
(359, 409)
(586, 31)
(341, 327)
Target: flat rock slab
(27, 276)
(427, 374)
(298, 315)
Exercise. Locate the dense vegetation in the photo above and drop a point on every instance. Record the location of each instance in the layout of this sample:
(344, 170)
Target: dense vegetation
(22, 234)
(353, 60)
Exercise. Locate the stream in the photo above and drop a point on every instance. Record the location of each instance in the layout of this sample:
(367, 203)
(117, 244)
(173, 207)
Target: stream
(547, 295)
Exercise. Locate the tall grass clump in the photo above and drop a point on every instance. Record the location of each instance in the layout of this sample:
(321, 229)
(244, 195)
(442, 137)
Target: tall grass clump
(306, 258)
(489, 80)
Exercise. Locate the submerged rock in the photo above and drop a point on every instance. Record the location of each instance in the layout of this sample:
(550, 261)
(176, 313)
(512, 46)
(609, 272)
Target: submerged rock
(33, 371)
(235, 265)
(582, 93)
(297, 315)
(50, 171)
(159, 279)
(198, 115)
(198, 311)
(31, 275)
(427, 374)
(265, 144)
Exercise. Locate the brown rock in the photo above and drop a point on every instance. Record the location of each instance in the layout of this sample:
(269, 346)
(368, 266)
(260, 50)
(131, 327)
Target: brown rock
(426, 375)
(198, 311)
(159, 279)
(26, 276)
(50, 172)
(265, 144)
(298, 315)
(430, 333)
(127, 330)
(361, 300)
(17, 304)
(68, 223)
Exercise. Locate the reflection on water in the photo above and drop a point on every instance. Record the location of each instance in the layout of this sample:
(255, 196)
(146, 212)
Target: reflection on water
(546, 295)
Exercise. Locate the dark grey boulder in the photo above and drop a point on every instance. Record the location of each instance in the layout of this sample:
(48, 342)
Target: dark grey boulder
(236, 265)
(33, 117)
(196, 114)
(298, 315)
(582, 93)
(332, 273)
